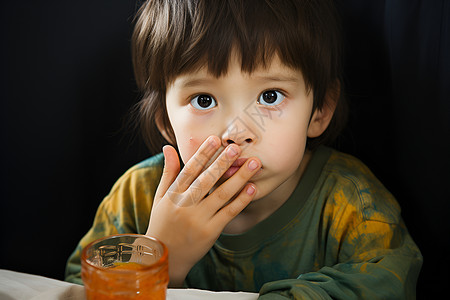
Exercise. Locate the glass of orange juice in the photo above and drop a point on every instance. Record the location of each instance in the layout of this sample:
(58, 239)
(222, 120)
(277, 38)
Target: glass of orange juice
(125, 266)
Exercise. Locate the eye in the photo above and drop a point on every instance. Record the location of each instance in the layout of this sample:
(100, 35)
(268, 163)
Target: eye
(203, 102)
(271, 98)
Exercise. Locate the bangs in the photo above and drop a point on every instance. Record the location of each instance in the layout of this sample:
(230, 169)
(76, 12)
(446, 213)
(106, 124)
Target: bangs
(253, 29)
(182, 36)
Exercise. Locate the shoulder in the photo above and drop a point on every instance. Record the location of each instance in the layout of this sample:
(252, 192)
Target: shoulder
(351, 183)
(136, 187)
(153, 164)
(130, 200)
(145, 174)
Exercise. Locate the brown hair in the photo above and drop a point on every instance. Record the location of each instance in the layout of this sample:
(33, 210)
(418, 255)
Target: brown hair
(172, 37)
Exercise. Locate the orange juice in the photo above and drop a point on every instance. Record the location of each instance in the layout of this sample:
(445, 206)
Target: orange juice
(124, 279)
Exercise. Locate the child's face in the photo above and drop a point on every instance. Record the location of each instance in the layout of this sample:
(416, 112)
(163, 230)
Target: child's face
(266, 113)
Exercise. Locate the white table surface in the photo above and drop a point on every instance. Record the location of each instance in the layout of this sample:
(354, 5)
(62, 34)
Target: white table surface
(22, 286)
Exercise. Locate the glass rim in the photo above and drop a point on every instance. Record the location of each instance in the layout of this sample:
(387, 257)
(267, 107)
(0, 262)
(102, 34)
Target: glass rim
(161, 261)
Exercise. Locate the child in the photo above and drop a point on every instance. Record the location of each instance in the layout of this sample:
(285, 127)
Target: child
(248, 93)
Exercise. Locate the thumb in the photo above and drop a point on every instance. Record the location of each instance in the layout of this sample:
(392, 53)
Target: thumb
(170, 171)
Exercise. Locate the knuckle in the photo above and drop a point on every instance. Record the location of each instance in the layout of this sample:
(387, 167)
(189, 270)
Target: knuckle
(196, 192)
(199, 184)
(225, 160)
(238, 205)
(213, 174)
(244, 176)
(197, 160)
(166, 172)
(222, 194)
(233, 210)
(203, 155)
(188, 170)
(184, 176)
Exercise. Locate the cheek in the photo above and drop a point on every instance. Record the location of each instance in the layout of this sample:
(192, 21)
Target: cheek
(188, 144)
(286, 144)
(188, 138)
(286, 151)
(190, 131)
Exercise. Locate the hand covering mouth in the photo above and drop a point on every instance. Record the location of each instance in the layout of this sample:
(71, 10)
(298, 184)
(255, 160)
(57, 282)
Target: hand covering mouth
(234, 167)
(239, 162)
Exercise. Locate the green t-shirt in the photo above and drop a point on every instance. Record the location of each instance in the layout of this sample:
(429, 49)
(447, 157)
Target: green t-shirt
(339, 236)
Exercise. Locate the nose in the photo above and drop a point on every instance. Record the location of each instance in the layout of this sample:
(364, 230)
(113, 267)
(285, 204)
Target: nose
(238, 132)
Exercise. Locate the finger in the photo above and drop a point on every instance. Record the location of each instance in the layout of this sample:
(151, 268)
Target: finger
(197, 162)
(170, 171)
(207, 179)
(233, 185)
(235, 207)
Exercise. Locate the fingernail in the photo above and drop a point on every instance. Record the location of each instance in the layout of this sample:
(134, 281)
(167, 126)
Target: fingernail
(251, 190)
(253, 165)
(232, 152)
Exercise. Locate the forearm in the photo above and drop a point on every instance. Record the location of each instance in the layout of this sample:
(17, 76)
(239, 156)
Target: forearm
(362, 281)
(378, 273)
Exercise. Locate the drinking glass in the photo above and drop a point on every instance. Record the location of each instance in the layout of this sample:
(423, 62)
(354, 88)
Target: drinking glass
(125, 266)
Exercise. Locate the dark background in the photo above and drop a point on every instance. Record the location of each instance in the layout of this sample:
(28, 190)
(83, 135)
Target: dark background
(67, 88)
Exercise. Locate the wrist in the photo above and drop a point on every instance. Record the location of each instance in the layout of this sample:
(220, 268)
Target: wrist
(175, 284)
(176, 276)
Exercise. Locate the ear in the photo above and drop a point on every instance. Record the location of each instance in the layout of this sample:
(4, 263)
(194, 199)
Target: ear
(322, 117)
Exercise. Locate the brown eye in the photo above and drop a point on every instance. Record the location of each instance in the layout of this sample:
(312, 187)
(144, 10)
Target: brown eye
(203, 102)
(271, 98)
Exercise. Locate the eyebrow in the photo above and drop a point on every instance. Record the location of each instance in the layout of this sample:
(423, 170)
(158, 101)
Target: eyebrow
(193, 82)
(278, 78)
